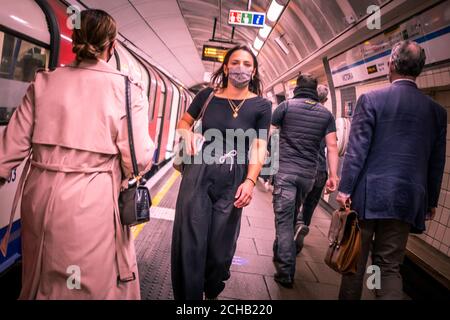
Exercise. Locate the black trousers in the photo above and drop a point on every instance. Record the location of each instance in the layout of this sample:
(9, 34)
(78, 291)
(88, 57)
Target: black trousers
(312, 199)
(289, 193)
(386, 239)
(206, 229)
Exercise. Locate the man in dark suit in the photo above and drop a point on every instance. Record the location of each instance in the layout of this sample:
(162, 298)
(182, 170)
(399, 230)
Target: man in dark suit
(393, 169)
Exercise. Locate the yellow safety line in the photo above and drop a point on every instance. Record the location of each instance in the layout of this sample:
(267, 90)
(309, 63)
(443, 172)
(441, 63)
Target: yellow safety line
(156, 200)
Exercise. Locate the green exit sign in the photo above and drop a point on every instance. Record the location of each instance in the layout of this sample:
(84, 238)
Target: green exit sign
(246, 18)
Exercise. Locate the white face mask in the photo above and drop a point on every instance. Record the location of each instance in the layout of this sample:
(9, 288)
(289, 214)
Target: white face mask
(239, 76)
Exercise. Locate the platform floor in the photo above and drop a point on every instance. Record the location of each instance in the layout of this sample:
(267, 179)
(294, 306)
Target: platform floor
(252, 268)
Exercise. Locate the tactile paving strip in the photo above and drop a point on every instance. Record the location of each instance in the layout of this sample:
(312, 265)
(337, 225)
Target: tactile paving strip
(153, 256)
(170, 198)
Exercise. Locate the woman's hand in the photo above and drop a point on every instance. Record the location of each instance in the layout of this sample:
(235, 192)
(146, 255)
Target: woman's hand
(244, 194)
(194, 142)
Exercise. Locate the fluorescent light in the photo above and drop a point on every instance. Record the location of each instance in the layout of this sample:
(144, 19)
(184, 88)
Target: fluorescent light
(264, 32)
(274, 11)
(66, 38)
(258, 43)
(255, 52)
(18, 19)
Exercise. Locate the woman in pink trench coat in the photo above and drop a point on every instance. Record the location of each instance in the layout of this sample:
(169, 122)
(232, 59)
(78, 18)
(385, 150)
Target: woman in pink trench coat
(73, 122)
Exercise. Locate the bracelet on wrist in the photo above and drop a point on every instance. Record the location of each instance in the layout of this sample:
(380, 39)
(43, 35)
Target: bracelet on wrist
(254, 183)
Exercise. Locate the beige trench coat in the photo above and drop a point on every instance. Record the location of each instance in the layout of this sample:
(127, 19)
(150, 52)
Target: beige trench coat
(73, 120)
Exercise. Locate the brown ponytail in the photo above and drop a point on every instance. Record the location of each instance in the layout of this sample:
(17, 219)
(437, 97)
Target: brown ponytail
(97, 32)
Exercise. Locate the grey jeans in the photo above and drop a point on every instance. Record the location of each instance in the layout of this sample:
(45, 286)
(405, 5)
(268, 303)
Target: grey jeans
(386, 239)
(289, 193)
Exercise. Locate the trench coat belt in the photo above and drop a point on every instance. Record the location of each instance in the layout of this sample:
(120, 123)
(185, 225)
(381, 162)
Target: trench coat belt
(124, 267)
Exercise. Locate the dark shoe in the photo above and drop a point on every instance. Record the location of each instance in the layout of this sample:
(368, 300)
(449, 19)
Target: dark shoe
(301, 230)
(286, 282)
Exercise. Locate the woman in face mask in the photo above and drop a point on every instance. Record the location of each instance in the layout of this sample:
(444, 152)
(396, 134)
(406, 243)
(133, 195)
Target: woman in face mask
(229, 152)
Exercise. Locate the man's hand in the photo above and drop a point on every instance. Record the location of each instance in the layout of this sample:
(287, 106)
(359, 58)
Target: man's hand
(331, 184)
(244, 194)
(430, 214)
(343, 199)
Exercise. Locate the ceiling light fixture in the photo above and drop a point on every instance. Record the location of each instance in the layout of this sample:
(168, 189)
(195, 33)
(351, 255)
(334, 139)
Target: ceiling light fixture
(274, 11)
(258, 43)
(264, 32)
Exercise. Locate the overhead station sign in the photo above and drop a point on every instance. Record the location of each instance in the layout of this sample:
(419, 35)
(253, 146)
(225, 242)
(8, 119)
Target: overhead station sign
(213, 53)
(247, 18)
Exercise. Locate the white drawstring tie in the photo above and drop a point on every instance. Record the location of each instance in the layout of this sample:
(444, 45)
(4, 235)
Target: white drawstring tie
(230, 155)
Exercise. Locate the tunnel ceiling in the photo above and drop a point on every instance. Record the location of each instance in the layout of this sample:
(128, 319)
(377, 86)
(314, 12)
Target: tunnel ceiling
(173, 32)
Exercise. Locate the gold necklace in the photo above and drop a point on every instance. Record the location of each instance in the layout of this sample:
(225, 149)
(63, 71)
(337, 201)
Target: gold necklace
(235, 107)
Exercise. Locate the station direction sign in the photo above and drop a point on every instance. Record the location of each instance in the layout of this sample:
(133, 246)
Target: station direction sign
(247, 18)
(213, 53)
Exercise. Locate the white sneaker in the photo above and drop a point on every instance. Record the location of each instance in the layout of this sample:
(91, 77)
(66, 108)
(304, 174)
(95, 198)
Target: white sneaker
(301, 230)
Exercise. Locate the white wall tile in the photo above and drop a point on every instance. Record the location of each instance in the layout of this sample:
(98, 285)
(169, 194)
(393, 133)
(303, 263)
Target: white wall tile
(440, 232)
(442, 196)
(446, 239)
(431, 81)
(429, 239)
(443, 219)
(443, 248)
(447, 199)
(432, 229)
(438, 215)
(437, 79)
(446, 77)
(445, 181)
(436, 244)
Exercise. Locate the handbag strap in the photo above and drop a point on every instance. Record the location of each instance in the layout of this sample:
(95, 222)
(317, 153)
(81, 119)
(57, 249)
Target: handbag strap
(205, 105)
(130, 127)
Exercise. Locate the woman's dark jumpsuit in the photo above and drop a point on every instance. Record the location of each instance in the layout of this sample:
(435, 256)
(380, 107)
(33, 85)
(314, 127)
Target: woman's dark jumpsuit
(207, 223)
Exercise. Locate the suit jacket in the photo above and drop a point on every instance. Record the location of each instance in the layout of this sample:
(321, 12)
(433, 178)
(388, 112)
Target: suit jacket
(395, 158)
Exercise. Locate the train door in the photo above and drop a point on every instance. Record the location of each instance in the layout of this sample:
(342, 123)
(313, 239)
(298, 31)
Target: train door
(174, 109)
(24, 47)
(165, 119)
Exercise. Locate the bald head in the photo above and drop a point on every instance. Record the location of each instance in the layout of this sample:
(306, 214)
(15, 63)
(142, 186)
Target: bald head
(408, 58)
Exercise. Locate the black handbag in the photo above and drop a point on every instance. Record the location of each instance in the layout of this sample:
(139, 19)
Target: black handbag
(135, 201)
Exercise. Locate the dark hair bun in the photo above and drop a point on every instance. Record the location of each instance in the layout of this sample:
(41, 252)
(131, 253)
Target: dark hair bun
(86, 51)
(97, 32)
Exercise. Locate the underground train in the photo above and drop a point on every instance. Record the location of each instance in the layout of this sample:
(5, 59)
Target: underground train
(37, 34)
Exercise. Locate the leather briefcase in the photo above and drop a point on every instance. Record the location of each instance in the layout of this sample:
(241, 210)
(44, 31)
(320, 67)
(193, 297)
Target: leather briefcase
(345, 241)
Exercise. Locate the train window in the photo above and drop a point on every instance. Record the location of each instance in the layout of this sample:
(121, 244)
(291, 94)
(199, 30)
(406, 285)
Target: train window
(130, 65)
(162, 99)
(19, 60)
(173, 119)
(152, 96)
